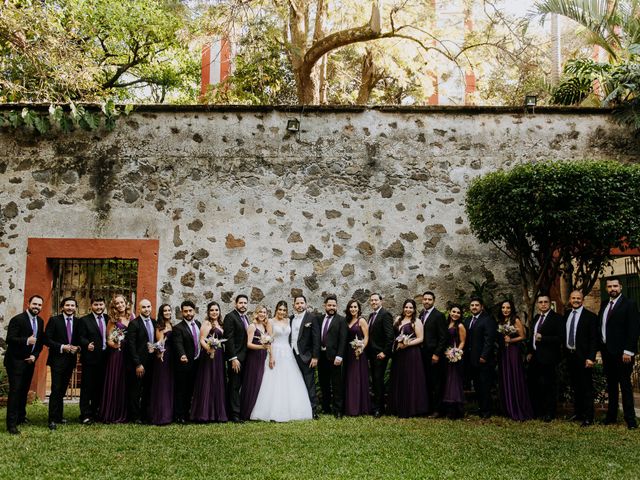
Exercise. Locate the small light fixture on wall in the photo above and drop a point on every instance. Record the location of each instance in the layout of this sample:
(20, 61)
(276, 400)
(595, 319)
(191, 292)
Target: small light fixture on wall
(530, 102)
(293, 125)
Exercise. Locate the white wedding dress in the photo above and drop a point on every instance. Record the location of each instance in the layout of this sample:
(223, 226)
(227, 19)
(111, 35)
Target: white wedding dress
(283, 395)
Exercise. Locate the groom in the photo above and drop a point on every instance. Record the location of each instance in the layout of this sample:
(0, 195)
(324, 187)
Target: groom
(305, 342)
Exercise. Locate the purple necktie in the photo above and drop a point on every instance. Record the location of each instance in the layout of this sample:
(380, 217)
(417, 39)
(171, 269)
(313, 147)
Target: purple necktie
(572, 331)
(69, 320)
(541, 321)
(147, 325)
(372, 318)
(327, 320)
(245, 322)
(473, 320)
(101, 328)
(195, 339)
(34, 330)
(424, 316)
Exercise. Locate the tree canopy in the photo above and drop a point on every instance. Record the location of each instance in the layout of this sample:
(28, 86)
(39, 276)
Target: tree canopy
(557, 218)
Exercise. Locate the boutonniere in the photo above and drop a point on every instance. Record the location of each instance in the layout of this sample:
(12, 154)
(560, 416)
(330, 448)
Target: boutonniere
(308, 324)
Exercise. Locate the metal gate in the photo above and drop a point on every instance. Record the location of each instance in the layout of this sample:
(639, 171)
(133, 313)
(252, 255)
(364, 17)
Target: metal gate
(84, 278)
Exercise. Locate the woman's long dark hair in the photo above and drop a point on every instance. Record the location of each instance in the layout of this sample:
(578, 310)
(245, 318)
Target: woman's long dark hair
(161, 322)
(211, 304)
(347, 313)
(512, 317)
(415, 311)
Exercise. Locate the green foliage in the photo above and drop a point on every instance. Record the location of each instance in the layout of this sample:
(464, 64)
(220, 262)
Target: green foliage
(557, 218)
(87, 118)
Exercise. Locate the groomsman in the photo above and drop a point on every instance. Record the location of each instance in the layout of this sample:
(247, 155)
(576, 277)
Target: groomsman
(62, 338)
(435, 342)
(305, 342)
(235, 331)
(333, 342)
(580, 346)
(24, 344)
(186, 345)
(92, 330)
(480, 352)
(544, 347)
(379, 349)
(619, 328)
(141, 333)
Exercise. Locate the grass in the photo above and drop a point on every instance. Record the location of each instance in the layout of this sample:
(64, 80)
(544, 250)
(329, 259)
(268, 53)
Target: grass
(328, 448)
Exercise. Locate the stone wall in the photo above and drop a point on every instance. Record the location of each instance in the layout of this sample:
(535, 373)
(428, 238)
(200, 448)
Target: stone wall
(360, 200)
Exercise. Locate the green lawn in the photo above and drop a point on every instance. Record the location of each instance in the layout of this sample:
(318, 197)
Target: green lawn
(349, 448)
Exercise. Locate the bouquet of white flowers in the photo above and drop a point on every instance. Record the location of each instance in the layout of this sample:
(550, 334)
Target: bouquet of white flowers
(453, 354)
(358, 346)
(117, 336)
(215, 343)
(507, 329)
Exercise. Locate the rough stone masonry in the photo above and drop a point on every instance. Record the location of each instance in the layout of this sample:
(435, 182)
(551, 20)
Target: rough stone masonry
(359, 200)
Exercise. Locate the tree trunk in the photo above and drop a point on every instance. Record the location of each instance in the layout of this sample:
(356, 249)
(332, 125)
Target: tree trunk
(368, 77)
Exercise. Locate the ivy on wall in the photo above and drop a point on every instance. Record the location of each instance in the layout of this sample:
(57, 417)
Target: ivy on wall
(65, 118)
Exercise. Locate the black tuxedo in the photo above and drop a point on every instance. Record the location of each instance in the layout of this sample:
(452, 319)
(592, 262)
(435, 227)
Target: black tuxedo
(622, 328)
(306, 347)
(332, 345)
(543, 365)
(61, 363)
(381, 339)
(481, 343)
(185, 373)
(235, 332)
(94, 364)
(137, 353)
(19, 372)
(585, 348)
(435, 343)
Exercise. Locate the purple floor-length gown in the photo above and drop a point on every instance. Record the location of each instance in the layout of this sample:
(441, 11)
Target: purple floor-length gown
(453, 392)
(209, 399)
(253, 371)
(408, 388)
(512, 385)
(113, 408)
(356, 398)
(161, 406)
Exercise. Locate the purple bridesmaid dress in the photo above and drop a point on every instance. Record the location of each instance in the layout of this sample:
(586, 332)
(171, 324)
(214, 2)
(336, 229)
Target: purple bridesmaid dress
(356, 400)
(253, 371)
(161, 406)
(113, 408)
(408, 388)
(453, 393)
(209, 399)
(514, 393)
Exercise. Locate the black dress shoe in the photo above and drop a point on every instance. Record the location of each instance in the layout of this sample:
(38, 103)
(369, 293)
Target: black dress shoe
(632, 426)
(13, 431)
(52, 425)
(435, 415)
(87, 421)
(236, 420)
(24, 421)
(586, 423)
(338, 416)
(377, 414)
(316, 416)
(63, 421)
(575, 418)
(181, 421)
(547, 418)
(609, 421)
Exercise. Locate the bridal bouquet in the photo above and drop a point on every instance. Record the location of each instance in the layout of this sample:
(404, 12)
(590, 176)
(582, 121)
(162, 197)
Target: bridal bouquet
(507, 329)
(117, 336)
(266, 339)
(156, 347)
(358, 346)
(215, 343)
(453, 354)
(404, 338)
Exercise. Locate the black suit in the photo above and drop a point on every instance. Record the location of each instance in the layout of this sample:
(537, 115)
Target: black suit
(543, 366)
(330, 376)
(94, 364)
(381, 339)
(61, 363)
(137, 354)
(19, 372)
(622, 328)
(435, 342)
(481, 344)
(185, 373)
(585, 348)
(306, 347)
(235, 331)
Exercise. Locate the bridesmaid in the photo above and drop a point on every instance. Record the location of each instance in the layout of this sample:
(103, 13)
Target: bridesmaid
(161, 406)
(357, 400)
(254, 363)
(209, 399)
(113, 408)
(453, 392)
(514, 393)
(408, 388)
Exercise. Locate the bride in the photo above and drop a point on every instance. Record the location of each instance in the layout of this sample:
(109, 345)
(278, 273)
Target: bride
(283, 395)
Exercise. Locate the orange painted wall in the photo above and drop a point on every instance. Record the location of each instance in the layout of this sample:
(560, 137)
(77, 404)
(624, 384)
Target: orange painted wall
(39, 277)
